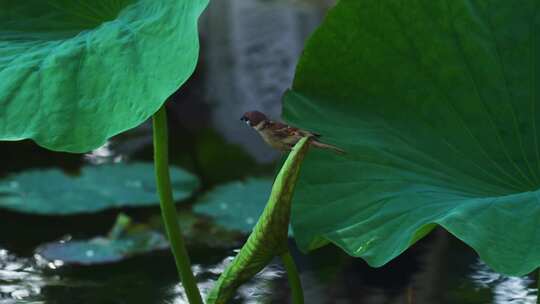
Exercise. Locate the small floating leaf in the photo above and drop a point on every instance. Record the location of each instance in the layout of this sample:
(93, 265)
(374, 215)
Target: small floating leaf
(53, 192)
(202, 233)
(237, 205)
(101, 250)
(124, 240)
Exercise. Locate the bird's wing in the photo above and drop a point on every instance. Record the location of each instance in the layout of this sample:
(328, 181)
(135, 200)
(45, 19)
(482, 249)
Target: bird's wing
(283, 130)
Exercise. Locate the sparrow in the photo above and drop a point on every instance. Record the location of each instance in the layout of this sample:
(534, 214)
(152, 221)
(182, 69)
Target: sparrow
(281, 136)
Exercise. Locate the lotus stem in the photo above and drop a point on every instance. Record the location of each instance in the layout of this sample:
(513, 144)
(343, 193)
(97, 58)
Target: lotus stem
(168, 210)
(293, 277)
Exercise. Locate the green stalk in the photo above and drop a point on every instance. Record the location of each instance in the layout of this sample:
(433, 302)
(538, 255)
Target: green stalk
(294, 278)
(269, 236)
(168, 210)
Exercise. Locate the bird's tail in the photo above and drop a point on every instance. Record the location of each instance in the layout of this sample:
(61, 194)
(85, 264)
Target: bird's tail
(321, 145)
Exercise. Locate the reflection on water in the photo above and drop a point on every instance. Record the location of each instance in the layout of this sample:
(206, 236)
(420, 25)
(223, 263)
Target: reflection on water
(437, 271)
(505, 289)
(102, 155)
(259, 290)
(23, 280)
(19, 278)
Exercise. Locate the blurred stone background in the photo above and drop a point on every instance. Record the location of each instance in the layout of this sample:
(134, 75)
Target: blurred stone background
(250, 50)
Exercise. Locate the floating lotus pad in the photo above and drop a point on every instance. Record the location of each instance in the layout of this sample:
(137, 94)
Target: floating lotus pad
(73, 73)
(127, 239)
(437, 105)
(101, 250)
(53, 192)
(237, 205)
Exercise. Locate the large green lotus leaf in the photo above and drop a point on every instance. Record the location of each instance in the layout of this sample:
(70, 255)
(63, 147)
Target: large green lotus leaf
(236, 205)
(437, 104)
(73, 73)
(52, 192)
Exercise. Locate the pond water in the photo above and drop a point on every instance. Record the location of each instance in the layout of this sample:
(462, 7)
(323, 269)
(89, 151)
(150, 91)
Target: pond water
(439, 269)
(236, 73)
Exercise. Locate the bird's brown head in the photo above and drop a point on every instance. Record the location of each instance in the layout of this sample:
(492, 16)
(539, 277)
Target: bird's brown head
(253, 118)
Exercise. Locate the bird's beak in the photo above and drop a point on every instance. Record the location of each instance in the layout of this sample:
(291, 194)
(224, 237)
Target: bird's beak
(246, 120)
